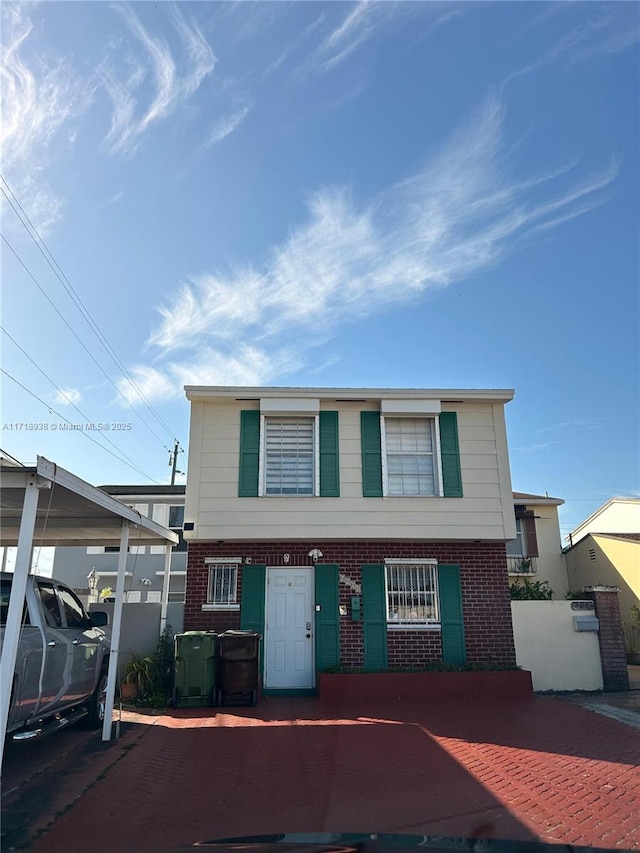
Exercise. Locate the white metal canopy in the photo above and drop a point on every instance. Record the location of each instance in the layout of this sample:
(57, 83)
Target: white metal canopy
(48, 506)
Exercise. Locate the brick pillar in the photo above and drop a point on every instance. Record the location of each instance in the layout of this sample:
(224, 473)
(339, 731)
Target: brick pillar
(615, 675)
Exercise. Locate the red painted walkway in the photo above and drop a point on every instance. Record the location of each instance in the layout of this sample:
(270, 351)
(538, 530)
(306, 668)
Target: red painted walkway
(539, 768)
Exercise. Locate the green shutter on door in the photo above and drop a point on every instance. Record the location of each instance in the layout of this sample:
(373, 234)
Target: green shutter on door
(374, 606)
(249, 453)
(327, 618)
(450, 455)
(252, 602)
(451, 621)
(371, 454)
(329, 455)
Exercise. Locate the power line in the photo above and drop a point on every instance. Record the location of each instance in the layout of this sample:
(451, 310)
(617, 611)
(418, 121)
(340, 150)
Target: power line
(9, 456)
(71, 403)
(82, 308)
(80, 341)
(82, 432)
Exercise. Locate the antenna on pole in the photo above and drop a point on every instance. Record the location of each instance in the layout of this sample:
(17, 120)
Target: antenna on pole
(173, 461)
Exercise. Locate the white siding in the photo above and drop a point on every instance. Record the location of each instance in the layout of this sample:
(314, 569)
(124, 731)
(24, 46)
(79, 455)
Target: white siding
(212, 503)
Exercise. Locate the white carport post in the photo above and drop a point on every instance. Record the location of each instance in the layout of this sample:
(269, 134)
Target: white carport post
(165, 586)
(16, 602)
(115, 632)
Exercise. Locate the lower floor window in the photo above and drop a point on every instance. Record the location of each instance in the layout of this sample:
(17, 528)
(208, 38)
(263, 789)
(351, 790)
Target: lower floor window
(412, 594)
(223, 584)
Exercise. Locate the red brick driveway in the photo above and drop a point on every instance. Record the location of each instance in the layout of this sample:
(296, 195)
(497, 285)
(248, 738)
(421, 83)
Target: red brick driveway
(538, 768)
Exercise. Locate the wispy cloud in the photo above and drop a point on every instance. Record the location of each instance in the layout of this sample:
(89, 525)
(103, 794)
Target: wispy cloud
(571, 424)
(172, 82)
(360, 23)
(613, 29)
(38, 101)
(226, 125)
(245, 365)
(535, 448)
(461, 213)
(67, 397)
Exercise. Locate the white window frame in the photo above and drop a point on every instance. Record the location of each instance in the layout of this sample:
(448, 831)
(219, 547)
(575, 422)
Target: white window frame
(437, 458)
(214, 563)
(262, 470)
(406, 624)
(520, 540)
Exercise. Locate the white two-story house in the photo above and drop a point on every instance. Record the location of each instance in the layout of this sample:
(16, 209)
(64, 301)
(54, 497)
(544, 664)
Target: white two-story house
(351, 527)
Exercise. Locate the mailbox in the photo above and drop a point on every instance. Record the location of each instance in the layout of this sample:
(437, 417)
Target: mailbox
(586, 622)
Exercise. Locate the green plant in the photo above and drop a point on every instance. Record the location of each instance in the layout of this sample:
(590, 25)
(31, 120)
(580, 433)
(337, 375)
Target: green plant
(431, 666)
(105, 592)
(152, 674)
(631, 630)
(575, 595)
(139, 671)
(531, 591)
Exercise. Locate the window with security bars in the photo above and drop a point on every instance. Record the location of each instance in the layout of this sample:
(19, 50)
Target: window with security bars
(289, 451)
(412, 594)
(410, 456)
(223, 585)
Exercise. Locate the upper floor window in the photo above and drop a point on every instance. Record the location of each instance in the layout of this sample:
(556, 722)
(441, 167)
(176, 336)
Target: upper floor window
(409, 455)
(289, 456)
(518, 547)
(409, 459)
(176, 520)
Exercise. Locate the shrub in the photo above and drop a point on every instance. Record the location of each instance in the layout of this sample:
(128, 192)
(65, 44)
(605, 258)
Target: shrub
(531, 591)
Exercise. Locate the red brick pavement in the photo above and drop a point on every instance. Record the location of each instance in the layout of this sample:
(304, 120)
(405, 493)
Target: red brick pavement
(538, 768)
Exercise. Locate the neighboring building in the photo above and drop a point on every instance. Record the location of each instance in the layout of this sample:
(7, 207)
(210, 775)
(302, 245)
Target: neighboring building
(352, 527)
(536, 552)
(92, 569)
(605, 551)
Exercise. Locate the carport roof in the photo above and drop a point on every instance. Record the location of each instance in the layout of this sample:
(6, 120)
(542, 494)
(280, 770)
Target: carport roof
(70, 510)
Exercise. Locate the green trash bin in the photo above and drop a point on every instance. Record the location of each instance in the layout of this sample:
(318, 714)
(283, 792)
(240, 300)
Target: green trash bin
(195, 669)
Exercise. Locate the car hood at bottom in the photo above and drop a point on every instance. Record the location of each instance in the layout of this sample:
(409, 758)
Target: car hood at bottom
(351, 842)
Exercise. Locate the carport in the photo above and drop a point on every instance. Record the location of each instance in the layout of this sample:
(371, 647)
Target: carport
(47, 506)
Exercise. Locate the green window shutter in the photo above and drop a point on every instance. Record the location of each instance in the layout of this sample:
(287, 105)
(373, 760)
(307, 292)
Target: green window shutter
(252, 602)
(375, 617)
(451, 621)
(328, 617)
(329, 456)
(371, 454)
(249, 453)
(450, 455)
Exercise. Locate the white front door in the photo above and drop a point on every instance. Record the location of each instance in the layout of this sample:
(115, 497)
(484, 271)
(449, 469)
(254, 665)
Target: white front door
(289, 629)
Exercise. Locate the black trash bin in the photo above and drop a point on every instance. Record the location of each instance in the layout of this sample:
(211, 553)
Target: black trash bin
(239, 667)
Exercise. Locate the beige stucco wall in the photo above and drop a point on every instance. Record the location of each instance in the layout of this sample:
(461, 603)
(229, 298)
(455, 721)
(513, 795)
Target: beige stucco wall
(616, 562)
(212, 502)
(558, 657)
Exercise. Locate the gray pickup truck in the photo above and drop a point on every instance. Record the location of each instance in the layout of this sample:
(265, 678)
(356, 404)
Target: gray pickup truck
(62, 660)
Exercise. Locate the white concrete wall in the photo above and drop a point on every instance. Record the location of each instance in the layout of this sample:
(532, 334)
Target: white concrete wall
(485, 511)
(558, 656)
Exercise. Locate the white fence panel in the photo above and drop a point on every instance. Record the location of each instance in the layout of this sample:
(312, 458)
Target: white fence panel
(547, 644)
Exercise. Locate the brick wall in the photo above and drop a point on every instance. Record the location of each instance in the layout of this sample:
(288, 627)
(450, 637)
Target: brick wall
(483, 574)
(615, 675)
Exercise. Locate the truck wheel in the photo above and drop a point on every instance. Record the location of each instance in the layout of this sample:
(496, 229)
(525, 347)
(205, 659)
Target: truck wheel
(95, 706)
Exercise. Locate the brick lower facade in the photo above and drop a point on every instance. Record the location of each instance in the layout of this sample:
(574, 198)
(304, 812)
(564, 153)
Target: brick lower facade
(615, 675)
(483, 577)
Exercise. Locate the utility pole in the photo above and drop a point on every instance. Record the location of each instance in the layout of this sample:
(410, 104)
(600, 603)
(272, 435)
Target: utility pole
(173, 461)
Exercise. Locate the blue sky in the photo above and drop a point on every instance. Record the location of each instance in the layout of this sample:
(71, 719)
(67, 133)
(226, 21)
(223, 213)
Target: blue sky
(359, 194)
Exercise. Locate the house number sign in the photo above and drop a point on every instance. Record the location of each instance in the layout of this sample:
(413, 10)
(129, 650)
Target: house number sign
(355, 588)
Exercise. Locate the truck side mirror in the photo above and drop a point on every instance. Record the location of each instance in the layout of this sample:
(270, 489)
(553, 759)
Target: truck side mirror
(99, 618)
